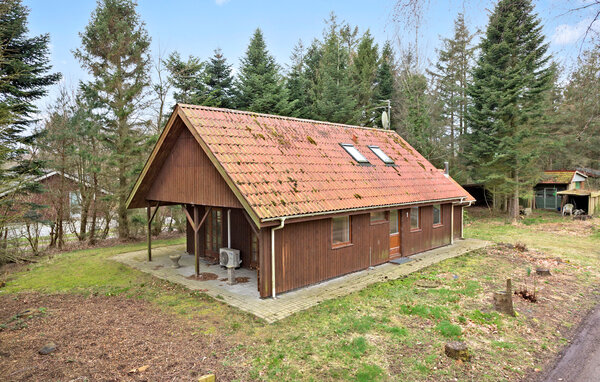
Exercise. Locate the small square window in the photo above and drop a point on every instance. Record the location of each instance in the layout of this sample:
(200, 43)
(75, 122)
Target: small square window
(340, 231)
(377, 216)
(381, 155)
(437, 214)
(354, 153)
(415, 221)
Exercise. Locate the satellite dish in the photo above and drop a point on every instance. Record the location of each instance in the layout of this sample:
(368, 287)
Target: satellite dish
(385, 120)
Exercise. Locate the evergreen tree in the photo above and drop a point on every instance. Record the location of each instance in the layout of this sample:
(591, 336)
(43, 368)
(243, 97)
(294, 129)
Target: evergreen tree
(218, 81)
(299, 84)
(334, 90)
(115, 51)
(580, 111)
(364, 70)
(451, 76)
(384, 81)
(413, 105)
(187, 77)
(260, 86)
(24, 78)
(510, 83)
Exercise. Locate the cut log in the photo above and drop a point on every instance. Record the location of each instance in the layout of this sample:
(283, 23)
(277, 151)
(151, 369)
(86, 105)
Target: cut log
(457, 350)
(503, 300)
(543, 272)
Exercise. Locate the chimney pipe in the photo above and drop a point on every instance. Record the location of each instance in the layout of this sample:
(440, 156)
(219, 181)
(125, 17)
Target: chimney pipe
(446, 169)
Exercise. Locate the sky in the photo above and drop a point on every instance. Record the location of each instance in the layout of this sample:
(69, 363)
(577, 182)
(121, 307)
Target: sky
(197, 27)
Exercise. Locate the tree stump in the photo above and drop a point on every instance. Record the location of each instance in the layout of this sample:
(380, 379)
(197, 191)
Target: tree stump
(543, 272)
(457, 350)
(503, 300)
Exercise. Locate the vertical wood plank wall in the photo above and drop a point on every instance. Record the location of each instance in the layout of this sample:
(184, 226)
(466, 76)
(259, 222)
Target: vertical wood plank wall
(304, 255)
(428, 236)
(188, 176)
(457, 221)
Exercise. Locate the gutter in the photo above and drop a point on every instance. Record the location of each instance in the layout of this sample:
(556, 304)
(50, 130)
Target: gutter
(280, 226)
(321, 213)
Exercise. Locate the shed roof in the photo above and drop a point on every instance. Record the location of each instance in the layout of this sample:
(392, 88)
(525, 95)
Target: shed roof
(559, 176)
(285, 166)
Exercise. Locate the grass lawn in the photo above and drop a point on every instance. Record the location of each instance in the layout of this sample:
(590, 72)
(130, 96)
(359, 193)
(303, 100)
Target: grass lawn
(388, 331)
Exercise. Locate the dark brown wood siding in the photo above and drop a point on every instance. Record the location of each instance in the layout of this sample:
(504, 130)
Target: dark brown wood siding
(457, 221)
(427, 236)
(188, 176)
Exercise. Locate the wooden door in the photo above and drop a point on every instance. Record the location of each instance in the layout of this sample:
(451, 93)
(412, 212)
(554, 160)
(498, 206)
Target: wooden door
(394, 234)
(214, 232)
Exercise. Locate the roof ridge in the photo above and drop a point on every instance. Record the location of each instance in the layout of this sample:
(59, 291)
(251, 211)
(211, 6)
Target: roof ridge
(274, 116)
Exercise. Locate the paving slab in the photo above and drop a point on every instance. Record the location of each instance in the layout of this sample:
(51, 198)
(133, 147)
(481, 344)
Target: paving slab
(245, 296)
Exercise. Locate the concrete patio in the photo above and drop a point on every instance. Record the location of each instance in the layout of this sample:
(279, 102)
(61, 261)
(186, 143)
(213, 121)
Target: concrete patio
(244, 295)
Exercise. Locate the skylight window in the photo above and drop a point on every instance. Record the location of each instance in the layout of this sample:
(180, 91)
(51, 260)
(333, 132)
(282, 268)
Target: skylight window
(354, 153)
(383, 156)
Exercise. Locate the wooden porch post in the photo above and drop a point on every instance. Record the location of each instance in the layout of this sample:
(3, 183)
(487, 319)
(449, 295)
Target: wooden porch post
(149, 216)
(197, 239)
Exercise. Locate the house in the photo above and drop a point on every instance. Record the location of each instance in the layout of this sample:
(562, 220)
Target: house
(547, 190)
(304, 201)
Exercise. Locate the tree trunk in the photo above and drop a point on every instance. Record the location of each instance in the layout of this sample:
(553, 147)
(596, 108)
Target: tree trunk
(513, 211)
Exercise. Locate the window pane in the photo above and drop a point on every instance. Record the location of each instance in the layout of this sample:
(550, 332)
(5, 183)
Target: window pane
(393, 221)
(437, 214)
(383, 156)
(414, 217)
(355, 153)
(340, 231)
(377, 216)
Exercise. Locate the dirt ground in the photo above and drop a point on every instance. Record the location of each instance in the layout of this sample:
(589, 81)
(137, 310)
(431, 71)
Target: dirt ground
(580, 362)
(104, 339)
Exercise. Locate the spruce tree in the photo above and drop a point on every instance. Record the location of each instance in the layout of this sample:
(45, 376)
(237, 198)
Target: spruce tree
(299, 84)
(260, 86)
(335, 99)
(364, 71)
(115, 51)
(451, 77)
(510, 83)
(384, 81)
(24, 78)
(218, 81)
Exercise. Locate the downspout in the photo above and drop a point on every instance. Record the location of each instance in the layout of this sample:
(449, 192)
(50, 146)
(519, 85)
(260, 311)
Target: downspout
(229, 228)
(280, 226)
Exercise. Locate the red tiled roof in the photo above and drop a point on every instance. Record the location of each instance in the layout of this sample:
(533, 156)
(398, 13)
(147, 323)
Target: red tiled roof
(286, 166)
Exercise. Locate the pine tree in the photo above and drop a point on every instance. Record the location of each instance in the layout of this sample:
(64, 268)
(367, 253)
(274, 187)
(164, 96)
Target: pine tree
(334, 90)
(510, 83)
(24, 78)
(187, 77)
(384, 81)
(260, 86)
(451, 76)
(115, 51)
(219, 82)
(364, 70)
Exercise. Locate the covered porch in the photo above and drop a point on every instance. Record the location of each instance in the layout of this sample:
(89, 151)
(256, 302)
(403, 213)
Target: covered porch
(209, 229)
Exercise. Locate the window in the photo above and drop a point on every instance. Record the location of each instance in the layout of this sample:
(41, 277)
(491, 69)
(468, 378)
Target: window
(340, 231)
(377, 216)
(577, 185)
(393, 222)
(437, 214)
(354, 153)
(415, 222)
(74, 199)
(381, 155)
(254, 249)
